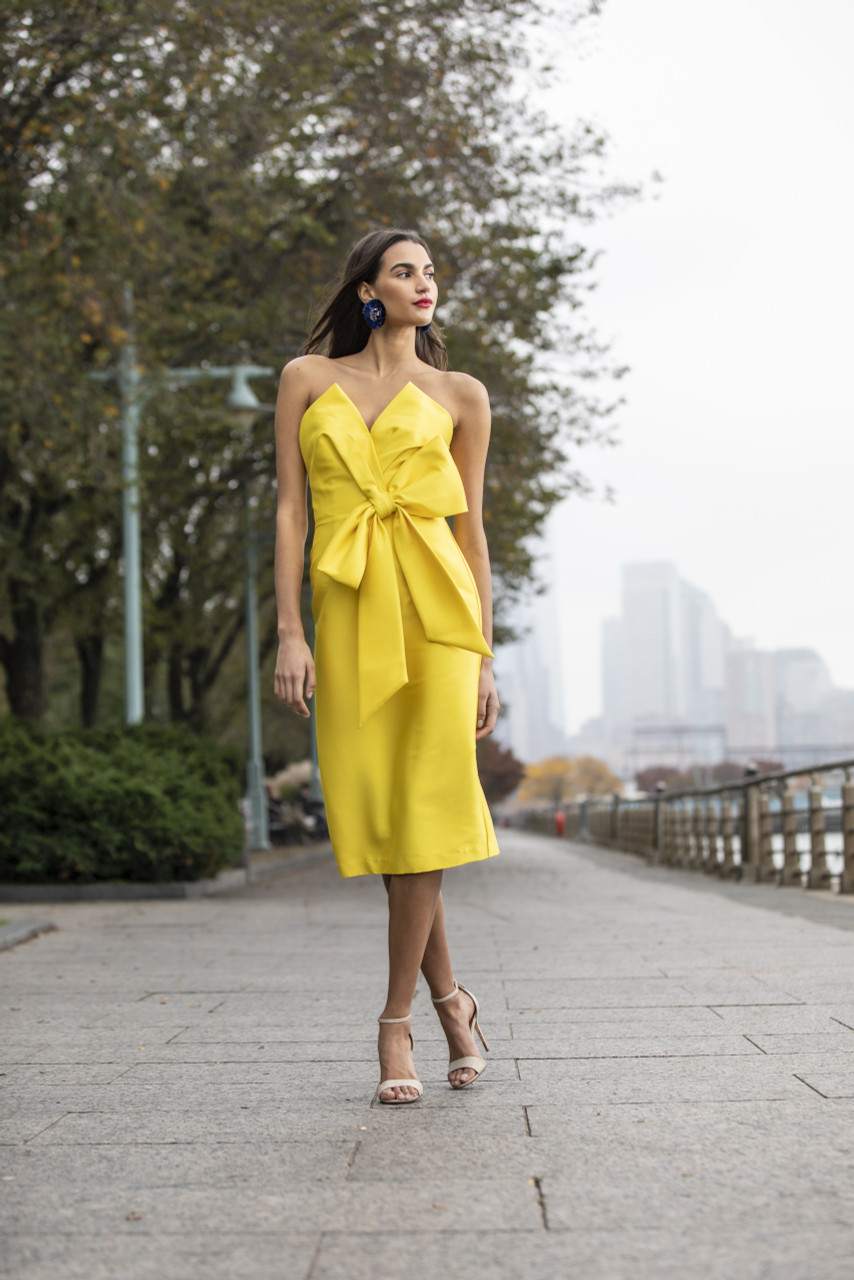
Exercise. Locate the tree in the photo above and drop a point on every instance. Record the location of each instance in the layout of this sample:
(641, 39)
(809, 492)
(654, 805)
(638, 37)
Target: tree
(500, 772)
(557, 779)
(764, 765)
(221, 159)
(649, 778)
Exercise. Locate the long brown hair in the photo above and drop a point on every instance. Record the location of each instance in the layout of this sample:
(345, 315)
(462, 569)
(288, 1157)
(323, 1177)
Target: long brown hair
(341, 328)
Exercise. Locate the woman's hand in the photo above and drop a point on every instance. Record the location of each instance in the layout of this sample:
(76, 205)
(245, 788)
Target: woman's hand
(294, 680)
(487, 701)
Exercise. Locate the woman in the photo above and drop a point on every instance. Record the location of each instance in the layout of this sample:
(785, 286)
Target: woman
(392, 444)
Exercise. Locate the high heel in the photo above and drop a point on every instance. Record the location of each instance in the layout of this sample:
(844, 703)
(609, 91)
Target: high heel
(475, 1064)
(395, 1084)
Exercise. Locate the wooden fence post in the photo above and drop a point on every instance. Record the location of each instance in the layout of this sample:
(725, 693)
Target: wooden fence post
(818, 874)
(765, 869)
(846, 880)
(727, 836)
(658, 823)
(791, 869)
(750, 832)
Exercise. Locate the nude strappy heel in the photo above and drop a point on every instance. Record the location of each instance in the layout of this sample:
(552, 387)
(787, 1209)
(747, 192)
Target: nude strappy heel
(478, 1065)
(394, 1084)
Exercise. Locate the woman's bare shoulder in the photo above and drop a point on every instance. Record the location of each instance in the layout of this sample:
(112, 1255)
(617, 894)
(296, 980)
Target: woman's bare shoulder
(305, 378)
(462, 394)
(466, 387)
(303, 368)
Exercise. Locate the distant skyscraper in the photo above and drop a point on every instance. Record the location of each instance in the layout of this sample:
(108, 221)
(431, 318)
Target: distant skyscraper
(527, 689)
(677, 688)
(751, 713)
(528, 674)
(803, 693)
(664, 667)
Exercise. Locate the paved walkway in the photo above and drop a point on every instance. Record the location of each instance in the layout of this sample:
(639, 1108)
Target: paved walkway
(670, 1091)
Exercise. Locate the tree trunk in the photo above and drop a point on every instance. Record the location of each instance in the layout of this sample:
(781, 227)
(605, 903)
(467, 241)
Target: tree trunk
(175, 684)
(90, 651)
(199, 661)
(22, 657)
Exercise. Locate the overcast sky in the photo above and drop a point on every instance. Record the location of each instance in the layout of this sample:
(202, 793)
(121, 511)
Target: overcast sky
(729, 291)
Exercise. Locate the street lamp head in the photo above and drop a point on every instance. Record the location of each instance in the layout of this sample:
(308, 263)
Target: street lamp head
(241, 401)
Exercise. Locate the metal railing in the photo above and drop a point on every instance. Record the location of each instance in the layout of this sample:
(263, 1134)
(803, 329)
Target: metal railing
(792, 827)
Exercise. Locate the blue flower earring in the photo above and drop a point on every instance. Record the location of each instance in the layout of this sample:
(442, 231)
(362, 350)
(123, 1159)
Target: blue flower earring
(424, 328)
(373, 312)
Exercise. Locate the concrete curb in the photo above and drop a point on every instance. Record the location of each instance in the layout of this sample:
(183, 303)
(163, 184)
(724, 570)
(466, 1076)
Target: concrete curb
(22, 931)
(262, 870)
(118, 891)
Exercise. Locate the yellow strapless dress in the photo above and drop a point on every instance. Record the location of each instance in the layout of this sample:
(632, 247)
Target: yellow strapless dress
(397, 638)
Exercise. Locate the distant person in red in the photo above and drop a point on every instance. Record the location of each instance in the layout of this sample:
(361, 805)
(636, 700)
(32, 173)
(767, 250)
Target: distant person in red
(560, 822)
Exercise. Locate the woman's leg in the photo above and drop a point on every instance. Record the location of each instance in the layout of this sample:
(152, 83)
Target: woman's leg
(436, 965)
(411, 910)
(438, 972)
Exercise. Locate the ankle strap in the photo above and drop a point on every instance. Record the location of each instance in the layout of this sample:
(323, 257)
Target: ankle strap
(444, 999)
(387, 1022)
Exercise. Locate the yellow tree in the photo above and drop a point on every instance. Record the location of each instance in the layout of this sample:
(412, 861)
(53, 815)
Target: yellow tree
(592, 777)
(560, 778)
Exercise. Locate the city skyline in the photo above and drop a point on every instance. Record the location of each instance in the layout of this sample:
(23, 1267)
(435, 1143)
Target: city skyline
(678, 685)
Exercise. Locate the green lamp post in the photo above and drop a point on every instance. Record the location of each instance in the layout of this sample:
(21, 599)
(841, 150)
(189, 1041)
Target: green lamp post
(243, 405)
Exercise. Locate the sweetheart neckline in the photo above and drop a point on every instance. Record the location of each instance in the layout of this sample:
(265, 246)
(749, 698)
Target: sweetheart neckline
(370, 429)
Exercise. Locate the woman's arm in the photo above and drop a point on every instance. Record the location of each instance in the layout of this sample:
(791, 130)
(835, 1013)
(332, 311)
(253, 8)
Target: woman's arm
(468, 448)
(294, 678)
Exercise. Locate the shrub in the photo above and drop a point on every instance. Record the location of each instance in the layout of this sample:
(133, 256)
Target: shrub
(142, 804)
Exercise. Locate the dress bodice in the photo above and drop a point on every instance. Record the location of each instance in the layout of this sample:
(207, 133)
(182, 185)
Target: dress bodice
(380, 499)
(348, 464)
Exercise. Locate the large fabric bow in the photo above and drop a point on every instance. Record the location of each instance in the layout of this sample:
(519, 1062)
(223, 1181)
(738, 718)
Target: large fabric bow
(362, 553)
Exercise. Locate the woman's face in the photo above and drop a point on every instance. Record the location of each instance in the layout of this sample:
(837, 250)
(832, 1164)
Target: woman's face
(405, 284)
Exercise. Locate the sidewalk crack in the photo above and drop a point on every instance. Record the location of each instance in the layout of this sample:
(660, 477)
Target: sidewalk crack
(810, 1086)
(352, 1160)
(541, 1201)
(123, 1072)
(39, 1132)
(314, 1257)
(755, 1045)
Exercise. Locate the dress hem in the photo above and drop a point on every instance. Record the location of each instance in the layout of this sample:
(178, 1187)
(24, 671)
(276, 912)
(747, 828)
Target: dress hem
(382, 868)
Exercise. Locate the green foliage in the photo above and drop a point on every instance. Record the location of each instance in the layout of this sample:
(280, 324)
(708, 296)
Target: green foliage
(144, 804)
(221, 159)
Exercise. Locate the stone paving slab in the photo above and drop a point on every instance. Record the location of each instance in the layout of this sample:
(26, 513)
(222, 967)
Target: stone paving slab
(577, 1255)
(616, 1020)
(37, 1174)
(66, 1074)
(792, 1018)
(805, 1042)
(638, 1045)
(21, 931)
(256, 1206)
(830, 1083)
(139, 1252)
(670, 1092)
(637, 1082)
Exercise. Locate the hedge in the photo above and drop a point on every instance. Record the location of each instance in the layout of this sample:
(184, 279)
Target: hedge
(140, 804)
